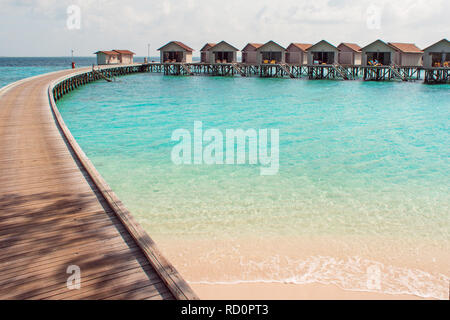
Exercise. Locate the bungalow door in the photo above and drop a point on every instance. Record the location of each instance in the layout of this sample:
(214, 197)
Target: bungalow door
(244, 57)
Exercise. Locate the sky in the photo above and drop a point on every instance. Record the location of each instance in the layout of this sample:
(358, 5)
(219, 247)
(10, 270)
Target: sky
(55, 27)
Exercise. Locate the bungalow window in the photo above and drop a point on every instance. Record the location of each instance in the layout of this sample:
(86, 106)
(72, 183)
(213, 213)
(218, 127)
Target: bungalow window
(321, 57)
(436, 59)
(244, 56)
(223, 56)
(173, 56)
(383, 58)
(439, 59)
(268, 56)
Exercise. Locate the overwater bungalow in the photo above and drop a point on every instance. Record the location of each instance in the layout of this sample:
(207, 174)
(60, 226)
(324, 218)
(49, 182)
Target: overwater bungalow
(205, 53)
(407, 54)
(322, 52)
(223, 52)
(114, 57)
(125, 56)
(437, 55)
(296, 53)
(349, 54)
(249, 54)
(175, 51)
(377, 53)
(271, 52)
(107, 57)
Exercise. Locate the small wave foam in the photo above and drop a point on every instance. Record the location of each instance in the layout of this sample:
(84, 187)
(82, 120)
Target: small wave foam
(353, 273)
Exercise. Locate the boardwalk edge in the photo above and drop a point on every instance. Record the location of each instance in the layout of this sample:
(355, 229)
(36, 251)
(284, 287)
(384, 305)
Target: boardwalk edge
(176, 284)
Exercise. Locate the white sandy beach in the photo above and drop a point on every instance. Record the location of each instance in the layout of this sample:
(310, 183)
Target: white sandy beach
(283, 268)
(280, 291)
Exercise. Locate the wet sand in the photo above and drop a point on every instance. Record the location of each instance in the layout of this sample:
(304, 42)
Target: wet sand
(281, 291)
(311, 268)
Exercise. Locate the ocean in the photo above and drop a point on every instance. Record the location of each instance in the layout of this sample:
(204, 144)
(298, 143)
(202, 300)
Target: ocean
(361, 198)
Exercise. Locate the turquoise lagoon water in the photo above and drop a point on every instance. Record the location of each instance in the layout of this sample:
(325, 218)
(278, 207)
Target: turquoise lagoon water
(17, 68)
(363, 160)
(12, 74)
(14, 68)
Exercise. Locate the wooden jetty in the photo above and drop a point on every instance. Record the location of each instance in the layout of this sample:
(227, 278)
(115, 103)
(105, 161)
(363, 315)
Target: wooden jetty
(437, 75)
(392, 72)
(312, 72)
(56, 211)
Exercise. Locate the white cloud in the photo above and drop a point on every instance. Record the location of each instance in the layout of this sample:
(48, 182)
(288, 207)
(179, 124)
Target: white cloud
(106, 24)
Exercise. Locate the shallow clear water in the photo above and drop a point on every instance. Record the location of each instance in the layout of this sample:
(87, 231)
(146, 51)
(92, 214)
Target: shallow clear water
(352, 154)
(358, 160)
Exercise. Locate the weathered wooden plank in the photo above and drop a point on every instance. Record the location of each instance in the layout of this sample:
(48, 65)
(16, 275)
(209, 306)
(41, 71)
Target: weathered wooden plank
(95, 279)
(141, 294)
(108, 281)
(44, 239)
(22, 204)
(46, 274)
(35, 260)
(21, 251)
(33, 228)
(56, 288)
(103, 289)
(49, 217)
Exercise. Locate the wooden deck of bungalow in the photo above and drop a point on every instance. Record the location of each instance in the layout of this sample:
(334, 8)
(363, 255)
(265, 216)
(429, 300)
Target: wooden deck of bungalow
(56, 211)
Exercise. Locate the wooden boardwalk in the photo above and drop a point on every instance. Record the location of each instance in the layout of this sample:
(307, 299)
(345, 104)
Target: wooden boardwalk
(56, 211)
